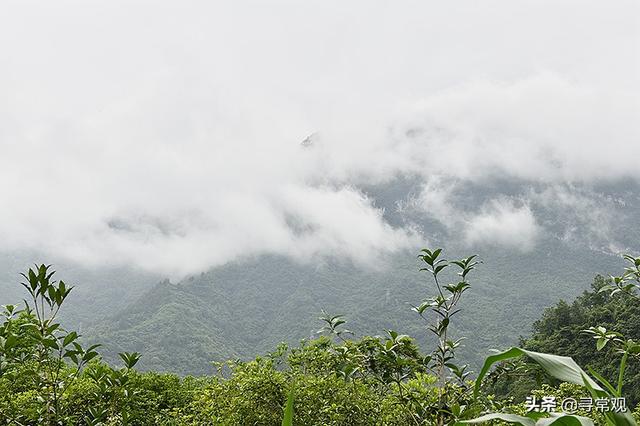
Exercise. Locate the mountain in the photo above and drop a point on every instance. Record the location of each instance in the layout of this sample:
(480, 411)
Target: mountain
(247, 307)
(99, 292)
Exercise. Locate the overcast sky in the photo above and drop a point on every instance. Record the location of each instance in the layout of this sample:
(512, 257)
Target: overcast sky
(166, 135)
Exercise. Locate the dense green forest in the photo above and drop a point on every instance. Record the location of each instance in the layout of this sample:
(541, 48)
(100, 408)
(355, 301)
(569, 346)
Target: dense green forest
(49, 376)
(246, 308)
(560, 330)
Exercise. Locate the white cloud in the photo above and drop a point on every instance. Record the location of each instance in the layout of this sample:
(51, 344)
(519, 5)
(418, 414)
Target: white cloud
(582, 215)
(167, 135)
(505, 221)
(542, 128)
(502, 222)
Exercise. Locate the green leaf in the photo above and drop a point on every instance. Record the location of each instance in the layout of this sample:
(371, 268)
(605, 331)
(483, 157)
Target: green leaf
(439, 268)
(51, 343)
(11, 341)
(92, 347)
(89, 356)
(423, 306)
(288, 411)
(69, 338)
(555, 420)
(561, 367)
(51, 292)
(130, 359)
(33, 279)
(565, 420)
(510, 418)
(52, 328)
(602, 380)
(622, 419)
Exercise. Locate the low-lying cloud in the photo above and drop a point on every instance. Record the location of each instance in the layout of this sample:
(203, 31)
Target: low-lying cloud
(503, 223)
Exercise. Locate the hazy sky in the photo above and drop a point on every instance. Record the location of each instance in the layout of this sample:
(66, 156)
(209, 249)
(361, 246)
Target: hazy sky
(166, 135)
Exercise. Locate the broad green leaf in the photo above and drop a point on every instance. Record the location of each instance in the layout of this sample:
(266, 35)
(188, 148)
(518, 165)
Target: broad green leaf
(510, 418)
(554, 420)
(617, 419)
(561, 367)
(622, 419)
(51, 343)
(565, 420)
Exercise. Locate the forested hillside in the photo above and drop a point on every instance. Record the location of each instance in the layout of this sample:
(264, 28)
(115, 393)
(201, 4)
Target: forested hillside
(245, 308)
(561, 330)
(48, 377)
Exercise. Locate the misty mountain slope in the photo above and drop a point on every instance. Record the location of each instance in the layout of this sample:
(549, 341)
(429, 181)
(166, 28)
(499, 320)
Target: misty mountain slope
(98, 291)
(538, 243)
(247, 308)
